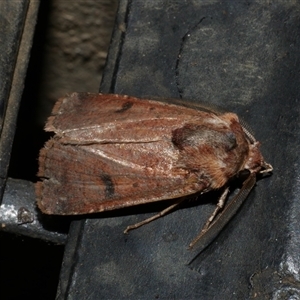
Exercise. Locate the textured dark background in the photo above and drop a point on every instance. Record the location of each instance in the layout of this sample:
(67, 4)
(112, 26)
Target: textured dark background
(239, 55)
(236, 54)
(68, 54)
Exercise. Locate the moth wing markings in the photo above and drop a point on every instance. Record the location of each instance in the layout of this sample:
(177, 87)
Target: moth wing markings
(96, 184)
(76, 120)
(153, 157)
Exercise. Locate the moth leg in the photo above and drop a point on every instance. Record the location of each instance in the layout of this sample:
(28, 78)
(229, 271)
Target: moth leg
(160, 214)
(220, 205)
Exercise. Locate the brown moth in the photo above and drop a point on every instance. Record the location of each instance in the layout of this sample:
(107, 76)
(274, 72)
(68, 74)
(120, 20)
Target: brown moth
(114, 151)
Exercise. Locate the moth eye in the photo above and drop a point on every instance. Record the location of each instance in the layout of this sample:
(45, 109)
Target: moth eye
(243, 174)
(231, 141)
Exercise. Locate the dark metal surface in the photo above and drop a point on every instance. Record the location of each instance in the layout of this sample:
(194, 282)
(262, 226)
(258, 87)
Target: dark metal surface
(19, 214)
(12, 19)
(17, 22)
(243, 56)
(29, 267)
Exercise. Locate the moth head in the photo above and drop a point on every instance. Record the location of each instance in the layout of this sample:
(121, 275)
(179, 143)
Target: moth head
(255, 162)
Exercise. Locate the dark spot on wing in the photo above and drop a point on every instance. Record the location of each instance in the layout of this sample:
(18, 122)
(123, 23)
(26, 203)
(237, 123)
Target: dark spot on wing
(191, 135)
(230, 141)
(125, 106)
(109, 185)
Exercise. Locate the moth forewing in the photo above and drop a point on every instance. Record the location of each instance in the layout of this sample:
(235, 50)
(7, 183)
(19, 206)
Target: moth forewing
(114, 151)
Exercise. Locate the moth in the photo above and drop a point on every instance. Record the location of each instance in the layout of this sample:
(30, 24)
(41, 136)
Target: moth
(113, 151)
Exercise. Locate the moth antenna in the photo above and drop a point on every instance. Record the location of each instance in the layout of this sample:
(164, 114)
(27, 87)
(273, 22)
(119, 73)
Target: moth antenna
(207, 235)
(248, 131)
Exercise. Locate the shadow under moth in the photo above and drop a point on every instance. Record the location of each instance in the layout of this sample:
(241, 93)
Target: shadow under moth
(114, 151)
